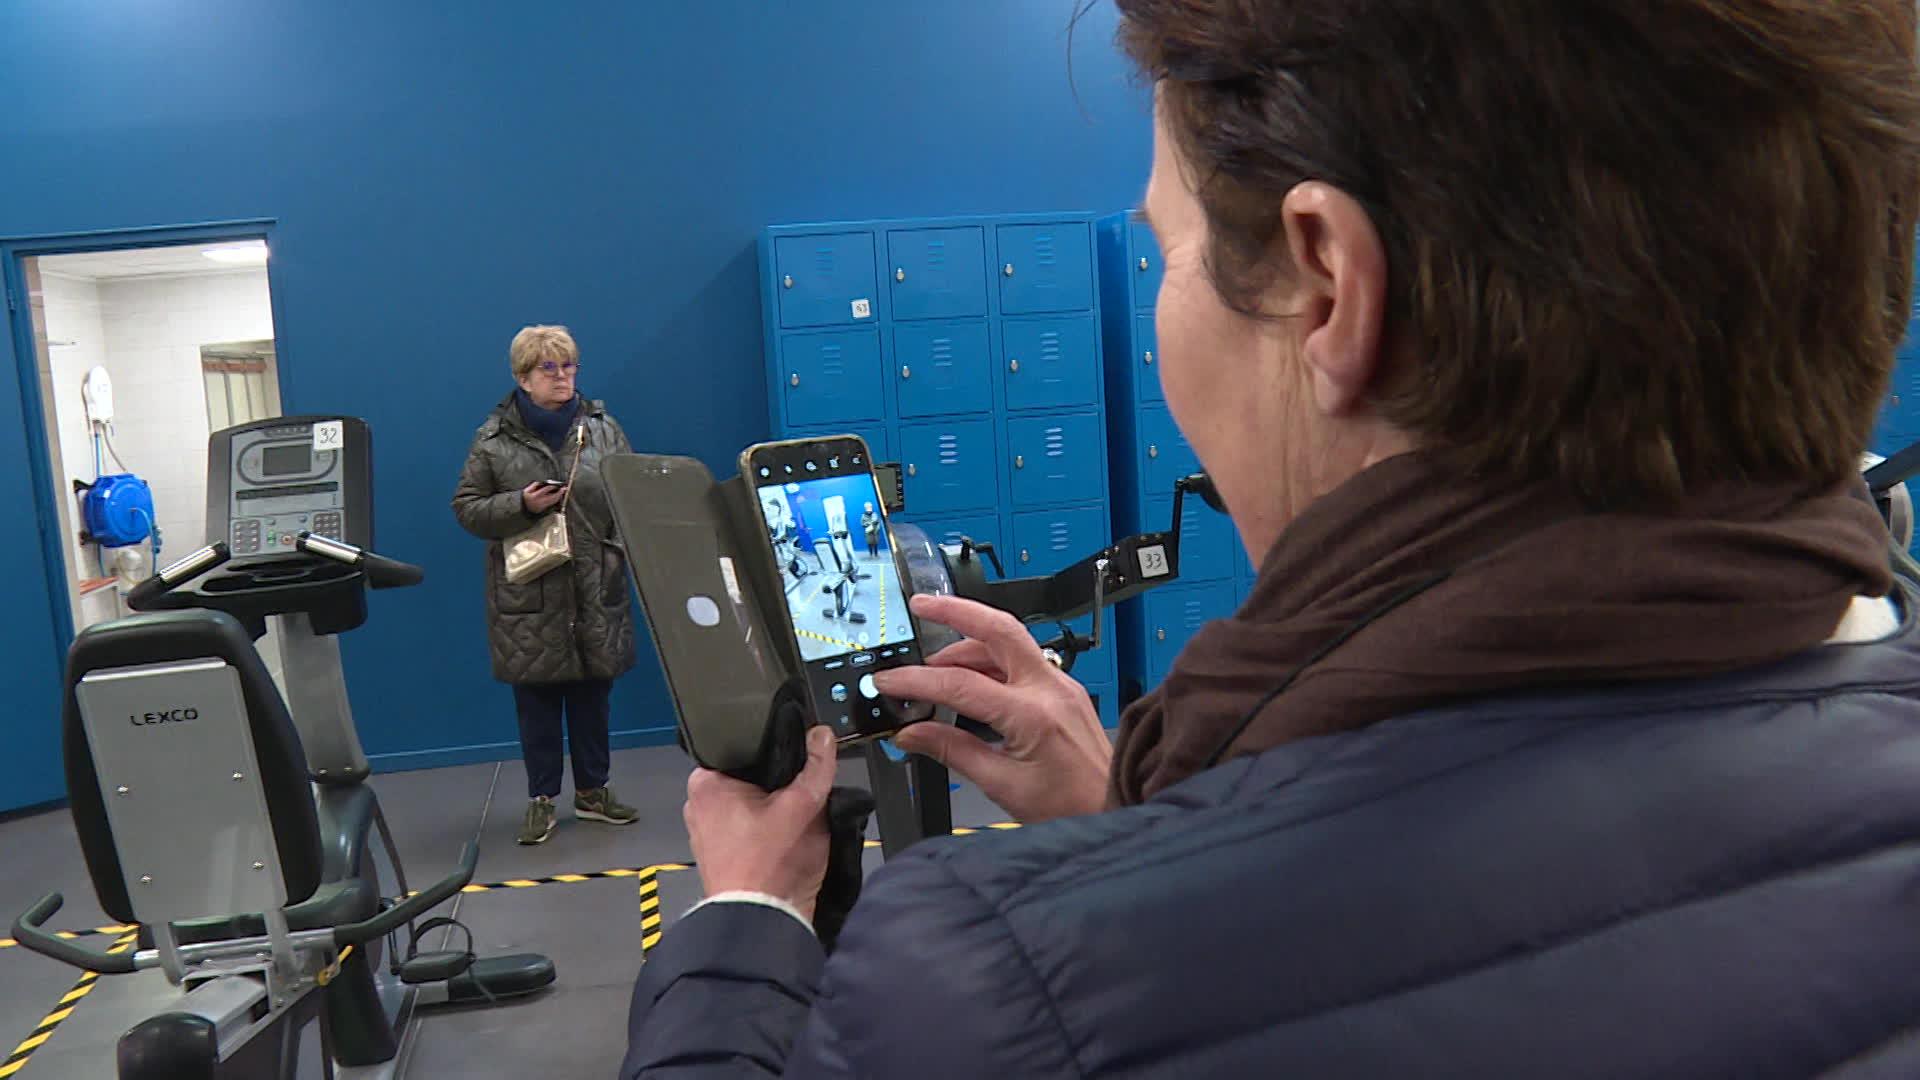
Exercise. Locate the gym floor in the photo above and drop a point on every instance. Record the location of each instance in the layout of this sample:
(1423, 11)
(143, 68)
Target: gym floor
(591, 929)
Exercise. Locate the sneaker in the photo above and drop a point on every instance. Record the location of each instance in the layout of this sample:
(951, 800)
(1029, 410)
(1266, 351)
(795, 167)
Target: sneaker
(598, 804)
(539, 823)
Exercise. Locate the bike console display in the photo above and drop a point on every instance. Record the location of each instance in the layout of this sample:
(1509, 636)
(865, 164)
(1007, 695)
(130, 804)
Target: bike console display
(269, 481)
(290, 521)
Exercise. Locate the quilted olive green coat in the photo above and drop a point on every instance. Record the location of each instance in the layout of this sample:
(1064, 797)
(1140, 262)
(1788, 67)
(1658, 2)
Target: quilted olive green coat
(574, 622)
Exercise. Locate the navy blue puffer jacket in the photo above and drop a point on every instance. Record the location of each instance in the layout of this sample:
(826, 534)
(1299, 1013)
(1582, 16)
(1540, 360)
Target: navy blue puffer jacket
(1709, 878)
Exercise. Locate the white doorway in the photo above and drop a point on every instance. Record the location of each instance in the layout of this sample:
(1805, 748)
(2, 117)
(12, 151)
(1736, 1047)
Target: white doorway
(176, 332)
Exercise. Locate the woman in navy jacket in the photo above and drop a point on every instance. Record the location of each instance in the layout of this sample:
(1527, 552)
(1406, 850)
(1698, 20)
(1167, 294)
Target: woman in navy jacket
(1573, 725)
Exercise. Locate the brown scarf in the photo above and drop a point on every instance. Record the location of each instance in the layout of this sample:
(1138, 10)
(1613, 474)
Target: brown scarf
(1533, 591)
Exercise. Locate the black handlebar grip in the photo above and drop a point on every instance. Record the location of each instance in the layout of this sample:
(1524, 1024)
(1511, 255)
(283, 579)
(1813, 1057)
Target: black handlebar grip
(385, 573)
(27, 931)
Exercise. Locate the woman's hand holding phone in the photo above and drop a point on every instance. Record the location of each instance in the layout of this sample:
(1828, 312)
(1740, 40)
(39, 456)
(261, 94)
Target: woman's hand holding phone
(1055, 757)
(541, 495)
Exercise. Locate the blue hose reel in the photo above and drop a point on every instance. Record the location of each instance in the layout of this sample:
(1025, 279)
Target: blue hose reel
(119, 510)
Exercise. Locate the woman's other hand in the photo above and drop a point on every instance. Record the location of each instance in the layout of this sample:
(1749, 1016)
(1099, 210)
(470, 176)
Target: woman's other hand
(1054, 759)
(540, 496)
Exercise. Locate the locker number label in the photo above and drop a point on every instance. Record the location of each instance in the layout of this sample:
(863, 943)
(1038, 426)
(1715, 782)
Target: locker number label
(863, 309)
(329, 435)
(1153, 561)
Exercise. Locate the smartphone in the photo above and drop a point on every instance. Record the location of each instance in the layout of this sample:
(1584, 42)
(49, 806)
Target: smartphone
(829, 540)
(553, 484)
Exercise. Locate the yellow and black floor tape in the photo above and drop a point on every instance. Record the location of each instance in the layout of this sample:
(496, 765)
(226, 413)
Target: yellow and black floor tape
(69, 1002)
(652, 927)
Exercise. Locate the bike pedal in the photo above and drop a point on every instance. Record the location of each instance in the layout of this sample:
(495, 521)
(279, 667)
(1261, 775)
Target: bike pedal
(435, 967)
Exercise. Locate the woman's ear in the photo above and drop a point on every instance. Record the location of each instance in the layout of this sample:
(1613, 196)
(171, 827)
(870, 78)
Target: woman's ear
(1339, 286)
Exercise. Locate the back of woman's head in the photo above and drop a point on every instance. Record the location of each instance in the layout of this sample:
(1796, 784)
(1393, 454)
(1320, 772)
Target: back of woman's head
(1638, 246)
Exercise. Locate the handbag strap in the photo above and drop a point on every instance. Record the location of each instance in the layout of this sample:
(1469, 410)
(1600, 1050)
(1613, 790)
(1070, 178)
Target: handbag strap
(579, 451)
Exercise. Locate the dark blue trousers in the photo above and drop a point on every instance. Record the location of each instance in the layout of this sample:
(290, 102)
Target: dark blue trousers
(585, 708)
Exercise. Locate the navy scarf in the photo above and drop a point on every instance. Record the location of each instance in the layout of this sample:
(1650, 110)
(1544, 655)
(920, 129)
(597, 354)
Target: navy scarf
(551, 425)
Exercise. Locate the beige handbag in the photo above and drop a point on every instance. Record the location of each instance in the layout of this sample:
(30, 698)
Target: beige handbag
(546, 545)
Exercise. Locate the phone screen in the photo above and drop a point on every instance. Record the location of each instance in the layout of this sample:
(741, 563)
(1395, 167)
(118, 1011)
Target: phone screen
(846, 600)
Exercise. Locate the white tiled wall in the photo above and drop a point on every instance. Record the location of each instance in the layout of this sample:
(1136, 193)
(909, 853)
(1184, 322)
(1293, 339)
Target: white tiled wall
(77, 342)
(154, 329)
(147, 333)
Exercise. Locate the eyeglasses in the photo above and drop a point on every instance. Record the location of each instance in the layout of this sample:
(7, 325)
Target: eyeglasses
(556, 370)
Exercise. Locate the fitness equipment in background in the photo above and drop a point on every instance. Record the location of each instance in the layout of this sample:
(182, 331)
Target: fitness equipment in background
(235, 824)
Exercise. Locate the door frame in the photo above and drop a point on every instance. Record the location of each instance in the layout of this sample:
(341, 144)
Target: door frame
(13, 253)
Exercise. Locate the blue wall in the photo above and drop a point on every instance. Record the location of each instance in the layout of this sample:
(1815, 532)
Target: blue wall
(439, 179)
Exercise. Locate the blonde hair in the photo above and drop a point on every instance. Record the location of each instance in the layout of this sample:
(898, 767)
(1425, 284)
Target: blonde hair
(535, 345)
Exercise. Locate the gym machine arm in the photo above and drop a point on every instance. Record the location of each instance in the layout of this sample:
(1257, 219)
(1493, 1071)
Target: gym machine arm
(29, 930)
(911, 793)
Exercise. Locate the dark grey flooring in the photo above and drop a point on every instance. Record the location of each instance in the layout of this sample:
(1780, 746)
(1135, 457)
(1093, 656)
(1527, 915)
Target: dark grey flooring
(590, 929)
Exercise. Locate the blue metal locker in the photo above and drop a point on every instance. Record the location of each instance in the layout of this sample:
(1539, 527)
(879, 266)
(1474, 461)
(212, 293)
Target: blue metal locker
(949, 465)
(879, 440)
(1050, 363)
(940, 368)
(1145, 263)
(1209, 547)
(1045, 268)
(831, 378)
(824, 280)
(1164, 456)
(1174, 614)
(1147, 363)
(1048, 541)
(1055, 459)
(938, 273)
(980, 528)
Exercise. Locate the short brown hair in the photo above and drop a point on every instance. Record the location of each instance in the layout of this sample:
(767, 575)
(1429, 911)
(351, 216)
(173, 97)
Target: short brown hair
(535, 345)
(1638, 247)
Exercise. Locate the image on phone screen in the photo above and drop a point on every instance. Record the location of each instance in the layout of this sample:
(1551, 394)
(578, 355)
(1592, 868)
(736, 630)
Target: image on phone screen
(845, 599)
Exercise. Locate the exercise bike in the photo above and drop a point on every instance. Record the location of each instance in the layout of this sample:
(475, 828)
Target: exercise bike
(235, 824)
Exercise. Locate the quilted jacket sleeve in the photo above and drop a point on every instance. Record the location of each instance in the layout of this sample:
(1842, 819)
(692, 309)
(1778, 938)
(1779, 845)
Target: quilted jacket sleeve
(927, 980)
(481, 509)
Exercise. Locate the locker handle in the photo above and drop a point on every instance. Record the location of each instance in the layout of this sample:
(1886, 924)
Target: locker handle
(1149, 357)
(1013, 366)
(912, 469)
(1025, 555)
(1007, 269)
(795, 379)
(906, 372)
(1161, 633)
(1019, 461)
(1143, 263)
(1152, 451)
(899, 273)
(787, 281)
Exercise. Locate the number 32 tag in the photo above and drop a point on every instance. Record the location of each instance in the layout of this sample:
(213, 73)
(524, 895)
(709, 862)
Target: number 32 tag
(329, 435)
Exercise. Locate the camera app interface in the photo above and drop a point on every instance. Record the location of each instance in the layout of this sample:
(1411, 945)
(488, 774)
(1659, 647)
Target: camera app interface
(843, 589)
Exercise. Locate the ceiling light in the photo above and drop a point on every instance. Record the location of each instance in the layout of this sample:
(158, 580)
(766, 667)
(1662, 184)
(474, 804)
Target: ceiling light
(251, 252)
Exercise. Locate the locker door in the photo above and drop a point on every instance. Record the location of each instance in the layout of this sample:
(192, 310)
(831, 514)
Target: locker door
(980, 528)
(1054, 459)
(1146, 266)
(1050, 363)
(878, 444)
(1045, 268)
(938, 273)
(949, 465)
(1048, 541)
(831, 378)
(1208, 540)
(1164, 455)
(1093, 666)
(942, 368)
(1145, 345)
(824, 280)
(1173, 617)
